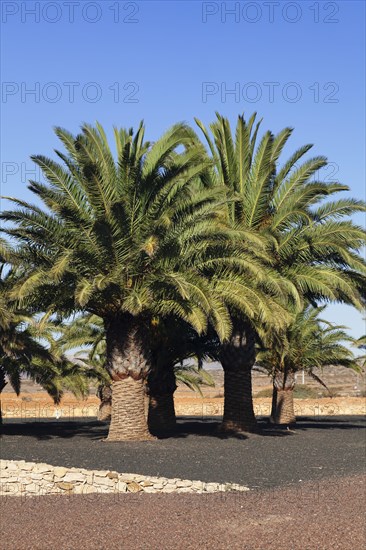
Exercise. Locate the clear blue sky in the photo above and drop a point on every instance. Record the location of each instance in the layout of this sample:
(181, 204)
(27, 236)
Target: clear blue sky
(295, 63)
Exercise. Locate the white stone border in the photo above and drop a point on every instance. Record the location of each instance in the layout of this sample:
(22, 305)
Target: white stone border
(20, 478)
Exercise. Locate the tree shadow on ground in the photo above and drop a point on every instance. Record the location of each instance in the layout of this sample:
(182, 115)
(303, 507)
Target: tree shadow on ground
(189, 426)
(330, 423)
(45, 430)
(209, 427)
(96, 430)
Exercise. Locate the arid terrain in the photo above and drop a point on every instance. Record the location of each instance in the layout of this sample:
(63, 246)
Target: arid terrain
(346, 397)
(298, 518)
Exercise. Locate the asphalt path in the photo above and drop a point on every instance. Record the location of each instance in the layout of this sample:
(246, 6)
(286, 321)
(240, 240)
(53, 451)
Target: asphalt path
(315, 449)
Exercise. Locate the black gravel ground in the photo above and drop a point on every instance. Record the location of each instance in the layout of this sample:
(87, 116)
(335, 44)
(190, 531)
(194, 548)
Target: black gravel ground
(316, 449)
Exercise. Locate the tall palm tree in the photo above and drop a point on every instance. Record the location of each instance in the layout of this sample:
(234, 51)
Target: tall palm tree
(172, 342)
(128, 239)
(315, 245)
(308, 343)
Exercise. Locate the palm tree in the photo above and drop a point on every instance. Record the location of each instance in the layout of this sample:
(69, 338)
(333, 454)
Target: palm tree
(23, 351)
(126, 240)
(308, 343)
(84, 336)
(315, 247)
(172, 343)
(360, 343)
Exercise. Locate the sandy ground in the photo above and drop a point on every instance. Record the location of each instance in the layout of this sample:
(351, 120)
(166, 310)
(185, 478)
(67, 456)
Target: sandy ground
(326, 515)
(39, 405)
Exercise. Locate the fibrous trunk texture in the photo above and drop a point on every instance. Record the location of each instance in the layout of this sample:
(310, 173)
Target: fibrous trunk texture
(128, 421)
(128, 365)
(237, 359)
(105, 407)
(2, 386)
(161, 388)
(283, 411)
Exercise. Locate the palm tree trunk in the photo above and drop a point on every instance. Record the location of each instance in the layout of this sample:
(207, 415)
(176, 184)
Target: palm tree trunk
(162, 413)
(128, 420)
(273, 404)
(237, 359)
(105, 407)
(161, 388)
(2, 386)
(128, 365)
(283, 411)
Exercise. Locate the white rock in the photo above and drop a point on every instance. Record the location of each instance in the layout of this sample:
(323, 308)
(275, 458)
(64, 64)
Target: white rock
(150, 490)
(170, 486)
(55, 490)
(11, 492)
(139, 478)
(121, 486)
(27, 466)
(48, 477)
(184, 483)
(42, 468)
(237, 487)
(32, 488)
(154, 479)
(158, 485)
(104, 481)
(101, 473)
(126, 477)
(60, 471)
(197, 484)
(88, 489)
(11, 488)
(27, 480)
(36, 476)
(74, 476)
(104, 489)
(12, 479)
(78, 490)
(41, 478)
